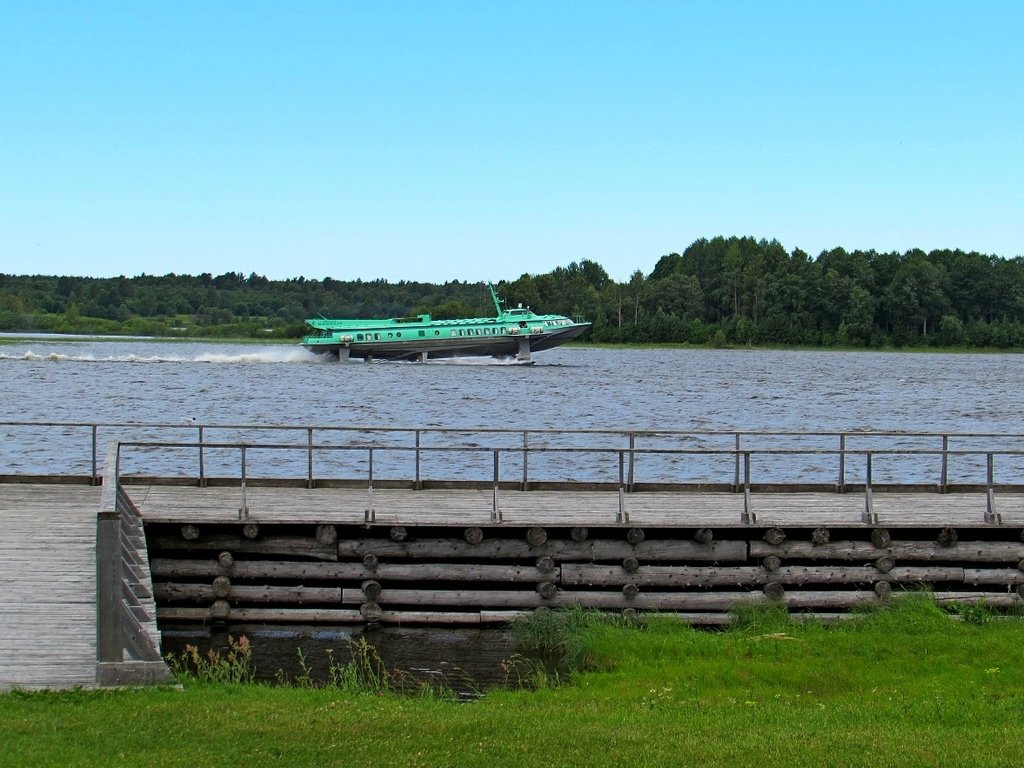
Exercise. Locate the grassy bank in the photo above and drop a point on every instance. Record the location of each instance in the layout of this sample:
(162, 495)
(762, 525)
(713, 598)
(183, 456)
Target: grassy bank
(931, 350)
(904, 687)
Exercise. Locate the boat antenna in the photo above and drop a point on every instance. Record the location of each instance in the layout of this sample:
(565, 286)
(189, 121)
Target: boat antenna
(494, 297)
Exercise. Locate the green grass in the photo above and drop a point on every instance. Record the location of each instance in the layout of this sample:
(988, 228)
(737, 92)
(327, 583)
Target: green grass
(902, 687)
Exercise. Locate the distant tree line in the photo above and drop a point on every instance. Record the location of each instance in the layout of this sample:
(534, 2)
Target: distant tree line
(720, 291)
(226, 305)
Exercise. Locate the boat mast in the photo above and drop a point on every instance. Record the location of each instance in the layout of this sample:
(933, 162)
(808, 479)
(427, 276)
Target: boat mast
(494, 297)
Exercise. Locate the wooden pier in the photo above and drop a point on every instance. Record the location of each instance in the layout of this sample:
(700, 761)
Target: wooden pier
(48, 586)
(89, 577)
(76, 597)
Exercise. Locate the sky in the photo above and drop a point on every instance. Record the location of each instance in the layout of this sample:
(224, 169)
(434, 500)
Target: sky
(478, 140)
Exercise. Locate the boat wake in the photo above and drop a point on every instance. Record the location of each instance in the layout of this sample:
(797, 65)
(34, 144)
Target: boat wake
(270, 355)
(478, 361)
(256, 356)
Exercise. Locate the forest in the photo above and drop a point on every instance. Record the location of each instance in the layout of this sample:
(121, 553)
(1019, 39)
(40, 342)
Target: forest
(723, 291)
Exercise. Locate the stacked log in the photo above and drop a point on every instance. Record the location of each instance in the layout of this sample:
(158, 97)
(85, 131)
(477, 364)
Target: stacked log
(454, 575)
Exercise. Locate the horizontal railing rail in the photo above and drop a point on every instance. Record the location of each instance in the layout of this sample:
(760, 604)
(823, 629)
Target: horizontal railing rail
(623, 481)
(21, 455)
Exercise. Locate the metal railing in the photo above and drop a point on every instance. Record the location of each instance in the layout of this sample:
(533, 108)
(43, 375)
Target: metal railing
(72, 449)
(625, 461)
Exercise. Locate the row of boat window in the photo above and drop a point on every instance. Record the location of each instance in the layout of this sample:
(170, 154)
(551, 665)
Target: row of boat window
(390, 335)
(454, 332)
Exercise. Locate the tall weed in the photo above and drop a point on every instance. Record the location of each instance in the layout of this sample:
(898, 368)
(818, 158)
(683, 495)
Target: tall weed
(565, 635)
(364, 672)
(234, 666)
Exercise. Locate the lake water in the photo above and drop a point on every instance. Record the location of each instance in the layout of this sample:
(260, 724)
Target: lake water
(58, 379)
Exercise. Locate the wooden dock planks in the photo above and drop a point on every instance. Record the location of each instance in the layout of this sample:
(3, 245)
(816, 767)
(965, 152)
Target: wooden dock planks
(47, 586)
(554, 508)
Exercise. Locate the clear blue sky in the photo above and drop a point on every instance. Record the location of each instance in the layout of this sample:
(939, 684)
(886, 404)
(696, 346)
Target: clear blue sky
(472, 140)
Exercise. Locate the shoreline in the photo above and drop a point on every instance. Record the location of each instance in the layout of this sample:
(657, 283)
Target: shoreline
(13, 337)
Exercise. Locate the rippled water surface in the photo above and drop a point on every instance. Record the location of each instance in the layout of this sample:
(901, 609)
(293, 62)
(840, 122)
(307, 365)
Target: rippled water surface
(55, 379)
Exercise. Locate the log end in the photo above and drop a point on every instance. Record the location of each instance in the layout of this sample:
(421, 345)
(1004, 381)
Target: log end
(547, 589)
(535, 537)
(221, 587)
(774, 590)
(880, 538)
(326, 535)
(220, 610)
(371, 612)
(774, 536)
(371, 589)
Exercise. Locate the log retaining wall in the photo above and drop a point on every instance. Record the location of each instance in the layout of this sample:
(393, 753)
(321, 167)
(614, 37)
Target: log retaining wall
(476, 574)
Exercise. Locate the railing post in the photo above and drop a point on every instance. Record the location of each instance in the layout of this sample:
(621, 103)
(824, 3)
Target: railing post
(991, 516)
(748, 518)
(623, 516)
(94, 479)
(632, 447)
(526, 454)
(736, 472)
(495, 509)
(842, 463)
(417, 483)
(309, 457)
(944, 479)
(202, 465)
(243, 511)
(371, 514)
(869, 515)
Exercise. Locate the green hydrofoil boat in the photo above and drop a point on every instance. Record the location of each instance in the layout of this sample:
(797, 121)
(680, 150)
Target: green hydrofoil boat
(516, 332)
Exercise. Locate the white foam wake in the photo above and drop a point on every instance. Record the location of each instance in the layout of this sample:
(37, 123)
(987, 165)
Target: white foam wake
(266, 355)
(475, 361)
